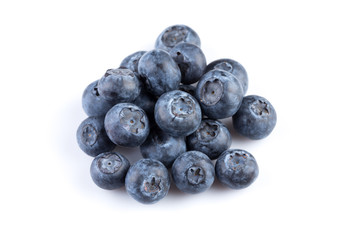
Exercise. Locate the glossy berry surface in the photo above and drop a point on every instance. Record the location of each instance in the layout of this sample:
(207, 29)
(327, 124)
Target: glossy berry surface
(256, 117)
(147, 181)
(94, 104)
(177, 113)
(159, 71)
(236, 168)
(193, 172)
(127, 125)
(211, 138)
(119, 85)
(92, 138)
(219, 94)
(163, 147)
(108, 170)
(191, 61)
(175, 34)
(232, 67)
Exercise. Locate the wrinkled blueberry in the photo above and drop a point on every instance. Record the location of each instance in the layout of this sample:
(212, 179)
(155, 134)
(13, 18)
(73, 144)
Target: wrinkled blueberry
(108, 170)
(159, 71)
(94, 104)
(191, 61)
(176, 34)
(177, 113)
(147, 181)
(211, 138)
(193, 172)
(256, 117)
(236, 168)
(232, 67)
(119, 84)
(127, 125)
(92, 138)
(163, 147)
(219, 94)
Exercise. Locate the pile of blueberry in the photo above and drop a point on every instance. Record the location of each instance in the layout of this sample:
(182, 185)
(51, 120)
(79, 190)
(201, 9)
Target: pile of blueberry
(168, 102)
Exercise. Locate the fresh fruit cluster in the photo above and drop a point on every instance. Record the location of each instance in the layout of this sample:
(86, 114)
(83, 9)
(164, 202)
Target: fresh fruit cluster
(168, 102)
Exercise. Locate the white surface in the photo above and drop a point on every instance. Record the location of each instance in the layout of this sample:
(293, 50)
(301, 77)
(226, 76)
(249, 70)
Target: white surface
(301, 55)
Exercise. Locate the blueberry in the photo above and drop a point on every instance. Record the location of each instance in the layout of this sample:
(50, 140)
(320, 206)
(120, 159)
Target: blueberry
(219, 94)
(190, 89)
(232, 67)
(127, 125)
(94, 104)
(119, 85)
(147, 181)
(163, 147)
(92, 138)
(176, 34)
(193, 172)
(211, 138)
(146, 101)
(132, 61)
(108, 170)
(177, 113)
(236, 168)
(191, 61)
(160, 72)
(256, 117)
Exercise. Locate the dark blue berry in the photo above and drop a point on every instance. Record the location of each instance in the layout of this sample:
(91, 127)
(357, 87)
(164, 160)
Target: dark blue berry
(119, 85)
(211, 138)
(232, 67)
(175, 34)
(191, 61)
(132, 61)
(92, 138)
(146, 101)
(236, 168)
(193, 172)
(127, 125)
(219, 94)
(159, 71)
(256, 117)
(163, 147)
(108, 170)
(190, 89)
(177, 113)
(94, 104)
(147, 181)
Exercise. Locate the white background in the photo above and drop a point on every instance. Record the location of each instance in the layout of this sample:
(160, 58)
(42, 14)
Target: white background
(303, 56)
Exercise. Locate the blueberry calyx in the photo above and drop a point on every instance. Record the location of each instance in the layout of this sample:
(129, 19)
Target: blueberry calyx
(260, 108)
(174, 35)
(152, 186)
(132, 119)
(119, 71)
(212, 91)
(224, 66)
(195, 175)
(109, 163)
(182, 107)
(236, 161)
(89, 135)
(207, 131)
